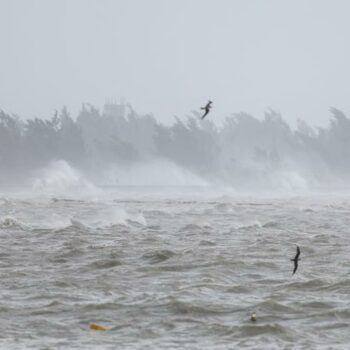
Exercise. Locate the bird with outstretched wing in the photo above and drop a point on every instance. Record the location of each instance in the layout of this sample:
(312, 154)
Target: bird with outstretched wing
(206, 109)
(296, 259)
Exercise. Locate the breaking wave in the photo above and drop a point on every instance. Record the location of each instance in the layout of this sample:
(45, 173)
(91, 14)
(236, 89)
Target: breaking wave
(10, 222)
(60, 178)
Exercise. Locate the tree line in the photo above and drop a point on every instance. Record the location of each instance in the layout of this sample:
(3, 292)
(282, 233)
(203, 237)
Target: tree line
(243, 151)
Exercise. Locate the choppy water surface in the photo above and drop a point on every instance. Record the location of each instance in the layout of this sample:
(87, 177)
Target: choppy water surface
(172, 272)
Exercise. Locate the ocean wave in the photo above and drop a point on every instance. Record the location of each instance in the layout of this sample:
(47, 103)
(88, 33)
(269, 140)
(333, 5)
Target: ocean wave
(246, 226)
(60, 178)
(64, 256)
(195, 227)
(239, 289)
(271, 224)
(187, 267)
(157, 213)
(105, 264)
(205, 242)
(4, 201)
(316, 283)
(70, 226)
(114, 218)
(308, 210)
(340, 287)
(11, 222)
(103, 305)
(158, 256)
(153, 228)
(271, 307)
(267, 329)
(186, 307)
(223, 207)
(316, 305)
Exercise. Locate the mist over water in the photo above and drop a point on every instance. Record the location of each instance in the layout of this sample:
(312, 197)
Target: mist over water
(118, 147)
(170, 236)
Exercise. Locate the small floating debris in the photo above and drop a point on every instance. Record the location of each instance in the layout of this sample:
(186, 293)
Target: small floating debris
(253, 317)
(97, 327)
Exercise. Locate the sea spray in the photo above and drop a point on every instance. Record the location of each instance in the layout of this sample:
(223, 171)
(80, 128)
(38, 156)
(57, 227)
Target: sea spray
(156, 172)
(60, 178)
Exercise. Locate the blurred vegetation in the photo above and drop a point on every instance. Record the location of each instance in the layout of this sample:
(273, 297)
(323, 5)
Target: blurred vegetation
(243, 151)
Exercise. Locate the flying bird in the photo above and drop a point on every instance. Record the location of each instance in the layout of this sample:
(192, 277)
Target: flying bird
(206, 109)
(296, 258)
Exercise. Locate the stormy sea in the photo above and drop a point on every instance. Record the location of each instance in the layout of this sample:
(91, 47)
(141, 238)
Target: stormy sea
(173, 268)
(119, 232)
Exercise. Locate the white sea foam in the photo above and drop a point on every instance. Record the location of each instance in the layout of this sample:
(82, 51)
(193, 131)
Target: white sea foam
(211, 262)
(108, 216)
(10, 222)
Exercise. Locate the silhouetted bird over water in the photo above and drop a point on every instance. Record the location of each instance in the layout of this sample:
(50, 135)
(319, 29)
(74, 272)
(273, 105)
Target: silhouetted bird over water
(296, 258)
(207, 109)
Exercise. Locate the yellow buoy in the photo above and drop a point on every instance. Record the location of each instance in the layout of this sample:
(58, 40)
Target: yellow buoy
(253, 317)
(97, 327)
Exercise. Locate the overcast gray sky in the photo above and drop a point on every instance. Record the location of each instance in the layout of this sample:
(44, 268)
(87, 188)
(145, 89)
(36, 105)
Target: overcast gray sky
(169, 57)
